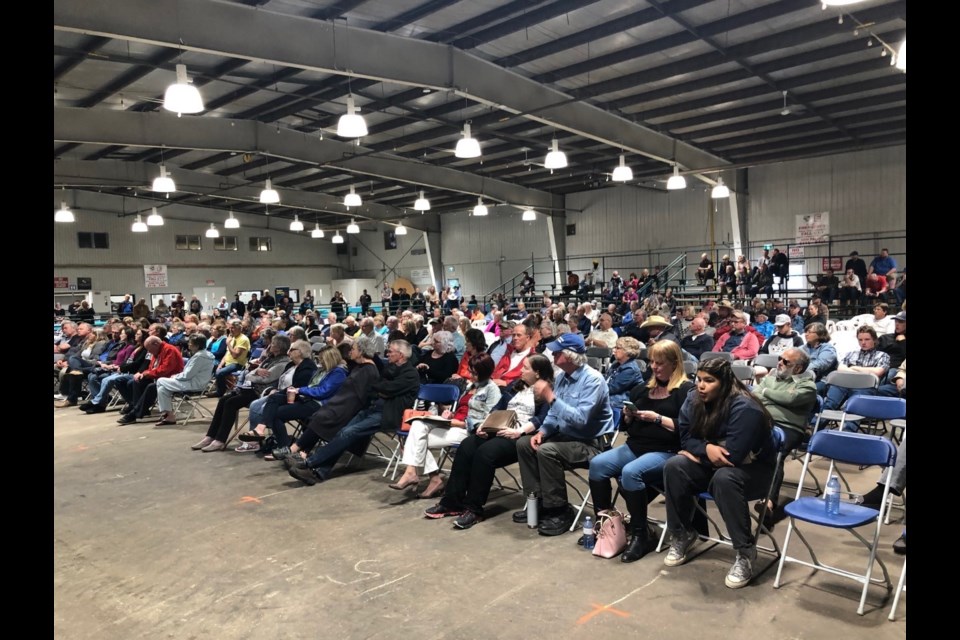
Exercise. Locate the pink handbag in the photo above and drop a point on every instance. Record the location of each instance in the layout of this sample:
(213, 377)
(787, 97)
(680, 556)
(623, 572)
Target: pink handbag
(611, 534)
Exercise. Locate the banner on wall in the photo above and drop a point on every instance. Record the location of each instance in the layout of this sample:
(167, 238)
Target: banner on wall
(155, 276)
(420, 276)
(813, 228)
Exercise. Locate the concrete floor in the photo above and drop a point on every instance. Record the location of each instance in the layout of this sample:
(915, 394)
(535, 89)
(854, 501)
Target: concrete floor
(153, 540)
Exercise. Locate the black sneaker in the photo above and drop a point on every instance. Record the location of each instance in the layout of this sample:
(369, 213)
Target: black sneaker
(440, 510)
(900, 545)
(467, 520)
(520, 517)
(307, 476)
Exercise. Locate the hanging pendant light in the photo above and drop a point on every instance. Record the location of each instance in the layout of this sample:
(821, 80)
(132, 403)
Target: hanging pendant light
(351, 124)
(139, 226)
(556, 159)
(63, 214)
(480, 209)
(529, 215)
(337, 239)
(622, 173)
(676, 181)
(901, 58)
(164, 183)
(422, 204)
(154, 219)
(212, 232)
(352, 199)
(231, 222)
(269, 195)
(467, 146)
(353, 227)
(317, 232)
(296, 225)
(182, 97)
(720, 191)
(400, 230)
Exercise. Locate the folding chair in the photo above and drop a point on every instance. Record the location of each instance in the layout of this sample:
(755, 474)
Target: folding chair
(878, 409)
(767, 360)
(901, 587)
(710, 355)
(690, 368)
(428, 394)
(852, 448)
(743, 372)
(851, 380)
(604, 354)
(186, 404)
(605, 441)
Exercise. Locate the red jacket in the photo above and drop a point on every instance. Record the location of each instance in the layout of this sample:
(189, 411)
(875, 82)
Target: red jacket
(503, 370)
(166, 363)
(746, 350)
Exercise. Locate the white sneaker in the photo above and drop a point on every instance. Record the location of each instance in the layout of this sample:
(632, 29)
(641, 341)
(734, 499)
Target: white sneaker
(59, 396)
(741, 573)
(679, 547)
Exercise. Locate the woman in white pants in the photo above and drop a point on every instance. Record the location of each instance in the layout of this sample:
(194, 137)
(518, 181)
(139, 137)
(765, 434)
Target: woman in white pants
(194, 377)
(480, 399)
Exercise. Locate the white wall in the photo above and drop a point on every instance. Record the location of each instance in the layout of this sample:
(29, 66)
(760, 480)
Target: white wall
(375, 262)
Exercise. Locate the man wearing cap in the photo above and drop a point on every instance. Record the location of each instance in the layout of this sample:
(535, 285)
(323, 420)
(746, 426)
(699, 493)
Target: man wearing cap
(659, 329)
(697, 341)
(783, 338)
(579, 412)
(603, 335)
(742, 344)
(894, 345)
(762, 324)
(796, 316)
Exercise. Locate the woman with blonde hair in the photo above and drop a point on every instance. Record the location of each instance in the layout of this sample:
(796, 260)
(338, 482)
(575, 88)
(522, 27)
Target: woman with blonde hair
(650, 418)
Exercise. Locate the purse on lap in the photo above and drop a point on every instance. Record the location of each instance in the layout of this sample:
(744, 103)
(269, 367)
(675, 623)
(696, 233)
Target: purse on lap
(611, 534)
(498, 420)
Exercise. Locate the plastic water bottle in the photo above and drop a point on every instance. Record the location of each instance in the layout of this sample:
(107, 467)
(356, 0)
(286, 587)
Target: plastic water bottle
(832, 496)
(533, 516)
(589, 537)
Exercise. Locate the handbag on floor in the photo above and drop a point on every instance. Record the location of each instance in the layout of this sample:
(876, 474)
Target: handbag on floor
(611, 534)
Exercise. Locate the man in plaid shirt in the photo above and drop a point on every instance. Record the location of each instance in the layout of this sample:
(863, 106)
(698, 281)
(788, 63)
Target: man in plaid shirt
(867, 360)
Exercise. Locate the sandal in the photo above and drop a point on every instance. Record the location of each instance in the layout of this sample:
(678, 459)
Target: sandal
(251, 436)
(247, 447)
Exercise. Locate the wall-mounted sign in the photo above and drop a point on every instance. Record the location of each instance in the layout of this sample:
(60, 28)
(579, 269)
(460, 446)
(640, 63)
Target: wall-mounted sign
(84, 284)
(813, 228)
(155, 276)
(60, 282)
(795, 252)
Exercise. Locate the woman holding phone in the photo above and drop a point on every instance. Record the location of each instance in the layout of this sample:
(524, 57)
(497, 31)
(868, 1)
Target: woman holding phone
(649, 418)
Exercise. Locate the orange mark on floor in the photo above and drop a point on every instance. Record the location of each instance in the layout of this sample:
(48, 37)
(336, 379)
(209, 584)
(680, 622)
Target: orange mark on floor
(81, 447)
(600, 608)
(245, 499)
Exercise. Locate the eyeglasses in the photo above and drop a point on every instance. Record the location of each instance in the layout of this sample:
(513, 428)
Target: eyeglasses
(786, 363)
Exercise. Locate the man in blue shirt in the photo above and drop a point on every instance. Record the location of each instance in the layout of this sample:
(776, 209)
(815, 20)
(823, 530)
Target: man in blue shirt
(579, 412)
(883, 264)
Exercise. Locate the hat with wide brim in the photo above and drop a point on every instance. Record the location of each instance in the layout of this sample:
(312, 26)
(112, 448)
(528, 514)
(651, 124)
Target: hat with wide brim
(725, 304)
(656, 321)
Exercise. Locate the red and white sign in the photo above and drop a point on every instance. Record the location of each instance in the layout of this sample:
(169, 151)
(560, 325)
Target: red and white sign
(795, 252)
(155, 276)
(60, 282)
(831, 263)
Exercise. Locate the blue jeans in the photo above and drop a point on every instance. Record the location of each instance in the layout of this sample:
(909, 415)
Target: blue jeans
(222, 374)
(635, 472)
(837, 396)
(256, 411)
(362, 426)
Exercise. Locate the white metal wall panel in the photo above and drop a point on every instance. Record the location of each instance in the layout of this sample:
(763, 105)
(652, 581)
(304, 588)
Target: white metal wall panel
(373, 260)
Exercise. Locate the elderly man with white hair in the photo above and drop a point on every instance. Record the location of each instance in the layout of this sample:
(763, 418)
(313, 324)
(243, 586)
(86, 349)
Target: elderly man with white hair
(194, 377)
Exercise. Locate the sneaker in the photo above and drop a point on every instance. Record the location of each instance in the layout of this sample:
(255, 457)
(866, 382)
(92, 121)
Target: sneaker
(200, 445)
(94, 408)
(466, 520)
(900, 545)
(247, 447)
(307, 476)
(741, 573)
(59, 396)
(440, 510)
(679, 547)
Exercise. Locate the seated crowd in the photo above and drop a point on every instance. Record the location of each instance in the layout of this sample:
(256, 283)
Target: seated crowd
(691, 424)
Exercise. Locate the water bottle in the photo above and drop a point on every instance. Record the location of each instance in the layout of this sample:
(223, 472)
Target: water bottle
(533, 517)
(832, 496)
(589, 537)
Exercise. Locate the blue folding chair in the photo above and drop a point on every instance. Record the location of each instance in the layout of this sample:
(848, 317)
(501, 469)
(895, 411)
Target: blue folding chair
(879, 409)
(852, 448)
(605, 441)
(429, 394)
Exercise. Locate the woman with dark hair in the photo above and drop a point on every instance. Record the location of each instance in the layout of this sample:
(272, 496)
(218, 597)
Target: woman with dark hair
(310, 326)
(476, 404)
(726, 449)
(481, 454)
(475, 343)
(650, 420)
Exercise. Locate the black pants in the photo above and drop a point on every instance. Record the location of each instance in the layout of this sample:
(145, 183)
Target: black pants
(731, 488)
(542, 471)
(144, 396)
(474, 466)
(226, 412)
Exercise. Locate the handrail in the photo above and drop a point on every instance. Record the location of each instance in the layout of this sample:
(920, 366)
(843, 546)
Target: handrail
(512, 280)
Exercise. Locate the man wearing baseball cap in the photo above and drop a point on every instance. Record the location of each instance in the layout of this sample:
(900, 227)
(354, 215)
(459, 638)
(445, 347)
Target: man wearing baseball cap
(784, 337)
(579, 412)
(894, 345)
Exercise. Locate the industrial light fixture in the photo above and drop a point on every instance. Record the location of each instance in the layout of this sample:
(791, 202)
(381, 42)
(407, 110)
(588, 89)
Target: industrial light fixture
(139, 226)
(63, 214)
(154, 219)
(622, 173)
(350, 124)
(400, 230)
(164, 183)
(353, 227)
(838, 3)
(337, 239)
(467, 146)
(901, 58)
(182, 97)
(231, 222)
(480, 209)
(317, 232)
(296, 225)
(720, 191)
(212, 231)
(269, 195)
(556, 159)
(676, 181)
(422, 204)
(529, 215)
(352, 199)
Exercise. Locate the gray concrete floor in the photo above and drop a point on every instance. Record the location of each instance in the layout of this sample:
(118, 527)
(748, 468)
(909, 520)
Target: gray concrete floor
(153, 540)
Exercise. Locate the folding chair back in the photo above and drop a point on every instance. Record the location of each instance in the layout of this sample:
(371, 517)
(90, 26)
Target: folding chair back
(710, 355)
(603, 353)
(852, 380)
(743, 372)
(852, 448)
(428, 394)
(690, 368)
(767, 360)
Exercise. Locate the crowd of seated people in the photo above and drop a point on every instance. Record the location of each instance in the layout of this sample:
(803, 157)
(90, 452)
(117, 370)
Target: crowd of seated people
(345, 379)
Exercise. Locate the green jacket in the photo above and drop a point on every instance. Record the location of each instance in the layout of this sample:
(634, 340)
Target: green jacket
(788, 401)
